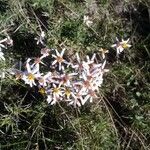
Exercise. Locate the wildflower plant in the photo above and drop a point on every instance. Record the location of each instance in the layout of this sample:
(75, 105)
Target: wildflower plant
(73, 82)
(74, 87)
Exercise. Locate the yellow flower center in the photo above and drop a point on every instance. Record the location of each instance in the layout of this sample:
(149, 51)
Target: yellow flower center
(125, 45)
(56, 90)
(31, 76)
(59, 59)
(67, 92)
(42, 91)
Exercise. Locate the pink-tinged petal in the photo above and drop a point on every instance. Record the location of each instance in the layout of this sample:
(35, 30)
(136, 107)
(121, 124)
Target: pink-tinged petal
(1, 45)
(36, 68)
(49, 99)
(77, 103)
(103, 55)
(59, 66)
(78, 58)
(28, 67)
(106, 70)
(31, 84)
(121, 49)
(117, 39)
(129, 45)
(53, 102)
(103, 65)
(85, 99)
(54, 62)
(88, 58)
(114, 45)
(54, 56)
(84, 76)
(57, 53)
(63, 51)
(43, 56)
(49, 74)
(93, 57)
(125, 41)
(63, 68)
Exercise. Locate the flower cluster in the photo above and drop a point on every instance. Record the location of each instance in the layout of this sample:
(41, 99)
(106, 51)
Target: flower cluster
(73, 82)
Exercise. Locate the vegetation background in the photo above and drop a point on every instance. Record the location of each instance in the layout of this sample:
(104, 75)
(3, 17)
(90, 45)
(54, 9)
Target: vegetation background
(120, 118)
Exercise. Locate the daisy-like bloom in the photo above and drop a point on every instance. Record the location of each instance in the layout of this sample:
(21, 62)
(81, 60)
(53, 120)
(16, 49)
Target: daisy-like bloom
(77, 99)
(40, 39)
(31, 74)
(59, 59)
(86, 84)
(42, 90)
(45, 52)
(81, 66)
(37, 61)
(65, 79)
(87, 20)
(103, 52)
(120, 46)
(98, 80)
(43, 80)
(90, 95)
(55, 94)
(67, 92)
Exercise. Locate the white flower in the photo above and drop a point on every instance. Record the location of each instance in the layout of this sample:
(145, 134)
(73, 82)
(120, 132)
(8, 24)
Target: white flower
(45, 52)
(31, 74)
(37, 61)
(77, 99)
(90, 95)
(54, 94)
(120, 46)
(81, 66)
(66, 79)
(40, 39)
(87, 20)
(43, 80)
(59, 59)
(86, 84)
